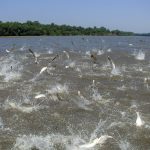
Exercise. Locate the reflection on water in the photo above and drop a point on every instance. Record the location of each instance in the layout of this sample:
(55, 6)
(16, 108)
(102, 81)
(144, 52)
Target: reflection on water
(73, 102)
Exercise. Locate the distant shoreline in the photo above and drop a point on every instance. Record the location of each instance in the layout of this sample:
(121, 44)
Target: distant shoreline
(68, 36)
(34, 28)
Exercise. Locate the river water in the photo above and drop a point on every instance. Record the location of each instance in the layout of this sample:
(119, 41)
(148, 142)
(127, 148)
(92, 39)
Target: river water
(76, 101)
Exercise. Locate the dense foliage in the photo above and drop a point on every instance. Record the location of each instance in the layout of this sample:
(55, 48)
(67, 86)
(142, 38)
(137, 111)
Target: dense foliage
(36, 28)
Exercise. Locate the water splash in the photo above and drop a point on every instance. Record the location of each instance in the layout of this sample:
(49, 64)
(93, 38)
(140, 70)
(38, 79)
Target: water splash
(82, 102)
(97, 130)
(130, 44)
(140, 55)
(111, 62)
(10, 69)
(100, 52)
(98, 141)
(25, 109)
(48, 142)
(139, 121)
(81, 111)
(67, 54)
(96, 95)
(122, 88)
(88, 53)
(56, 141)
(58, 92)
(83, 99)
(50, 50)
(58, 88)
(1, 123)
(125, 145)
(115, 71)
(109, 50)
(71, 64)
(23, 48)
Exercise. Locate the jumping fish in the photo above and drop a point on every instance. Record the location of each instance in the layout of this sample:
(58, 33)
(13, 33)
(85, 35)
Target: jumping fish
(112, 63)
(45, 68)
(7, 51)
(40, 96)
(35, 57)
(67, 54)
(93, 57)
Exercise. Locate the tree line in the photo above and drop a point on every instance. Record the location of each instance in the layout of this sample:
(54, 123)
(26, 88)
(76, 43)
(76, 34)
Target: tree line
(35, 28)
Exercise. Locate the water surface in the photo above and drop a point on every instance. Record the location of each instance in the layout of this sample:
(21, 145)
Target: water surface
(76, 99)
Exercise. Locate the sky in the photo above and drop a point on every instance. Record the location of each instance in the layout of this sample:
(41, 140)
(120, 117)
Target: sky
(125, 15)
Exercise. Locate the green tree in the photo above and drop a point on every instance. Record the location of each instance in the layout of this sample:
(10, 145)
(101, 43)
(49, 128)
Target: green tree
(36, 28)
